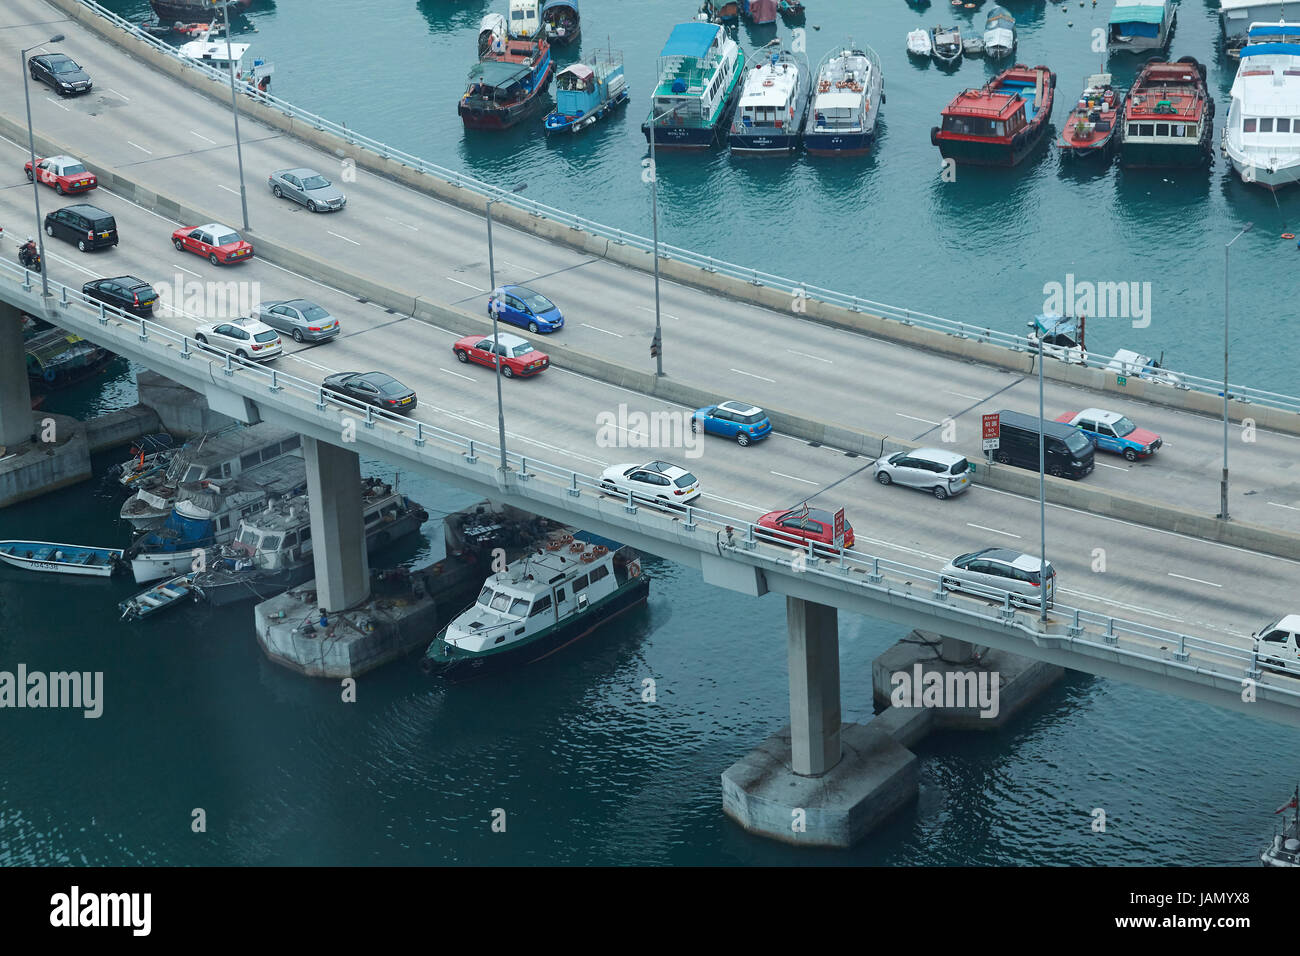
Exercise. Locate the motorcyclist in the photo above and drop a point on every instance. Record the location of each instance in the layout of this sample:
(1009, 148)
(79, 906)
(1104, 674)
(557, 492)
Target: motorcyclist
(27, 252)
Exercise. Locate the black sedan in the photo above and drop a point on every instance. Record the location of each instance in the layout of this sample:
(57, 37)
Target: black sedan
(373, 388)
(123, 292)
(60, 72)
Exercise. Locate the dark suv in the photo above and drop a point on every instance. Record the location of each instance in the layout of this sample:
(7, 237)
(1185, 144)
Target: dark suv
(124, 292)
(89, 227)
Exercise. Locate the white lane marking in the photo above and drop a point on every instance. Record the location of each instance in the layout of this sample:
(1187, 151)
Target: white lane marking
(202, 137)
(1102, 464)
(666, 315)
(404, 224)
(994, 530)
(738, 504)
(465, 284)
(140, 148)
(227, 189)
(58, 104)
(116, 93)
(973, 398)
(752, 375)
(1288, 507)
(598, 329)
(792, 477)
(815, 358)
(324, 368)
(183, 269)
(1128, 607)
(344, 238)
(520, 268)
(901, 548)
(457, 374)
(1195, 580)
(915, 419)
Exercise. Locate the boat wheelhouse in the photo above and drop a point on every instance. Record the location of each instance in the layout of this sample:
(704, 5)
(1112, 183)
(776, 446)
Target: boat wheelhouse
(586, 92)
(847, 94)
(699, 75)
(539, 604)
(1168, 119)
(999, 33)
(1093, 127)
(1140, 25)
(759, 12)
(492, 34)
(773, 104)
(1236, 16)
(525, 20)
(1062, 338)
(562, 22)
(1002, 122)
(507, 85)
(1261, 137)
(210, 50)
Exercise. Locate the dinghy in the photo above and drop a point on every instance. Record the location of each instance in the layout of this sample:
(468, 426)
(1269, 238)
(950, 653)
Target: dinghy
(61, 558)
(159, 597)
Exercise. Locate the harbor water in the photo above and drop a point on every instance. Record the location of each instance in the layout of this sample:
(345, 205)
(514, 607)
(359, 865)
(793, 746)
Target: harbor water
(585, 768)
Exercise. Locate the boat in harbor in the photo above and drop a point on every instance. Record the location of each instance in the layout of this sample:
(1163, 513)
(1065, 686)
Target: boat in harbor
(1092, 129)
(190, 11)
(945, 45)
(1169, 117)
(586, 92)
(272, 550)
(1285, 848)
(1261, 137)
(847, 95)
(492, 34)
(759, 12)
(1236, 16)
(525, 20)
(773, 103)
(150, 457)
(539, 604)
(57, 358)
(56, 558)
(211, 50)
(791, 11)
(1062, 338)
(1002, 122)
(700, 68)
(1138, 26)
(918, 43)
(562, 22)
(159, 597)
(999, 33)
(507, 85)
(726, 11)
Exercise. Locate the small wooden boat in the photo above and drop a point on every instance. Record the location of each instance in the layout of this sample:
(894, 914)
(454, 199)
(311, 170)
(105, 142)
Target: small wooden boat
(159, 597)
(792, 11)
(946, 45)
(562, 22)
(586, 92)
(61, 558)
(918, 43)
(999, 33)
(1093, 127)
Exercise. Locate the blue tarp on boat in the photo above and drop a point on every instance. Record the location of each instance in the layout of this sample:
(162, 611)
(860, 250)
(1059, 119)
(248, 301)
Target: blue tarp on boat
(1260, 49)
(178, 533)
(690, 39)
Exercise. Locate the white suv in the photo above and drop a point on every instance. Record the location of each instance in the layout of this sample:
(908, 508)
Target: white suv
(656, 481)
(247, 338)
(942, 473)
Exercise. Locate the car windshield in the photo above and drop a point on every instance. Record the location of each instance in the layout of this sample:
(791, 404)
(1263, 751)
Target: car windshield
(1077, 443)
(315, 182)
(314, 312)
(391, 387)
(1124, 427)
(270, 335)
(226, 239)
(75, 169)
(685, 481)
(64, 66)
(520, 350)
(537, 302)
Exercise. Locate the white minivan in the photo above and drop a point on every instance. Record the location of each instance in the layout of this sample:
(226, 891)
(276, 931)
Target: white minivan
(1278, 645)
(942, 473)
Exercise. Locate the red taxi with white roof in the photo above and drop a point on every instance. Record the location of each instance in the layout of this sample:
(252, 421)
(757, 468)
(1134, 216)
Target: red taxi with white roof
(63, 174)
(219, 244)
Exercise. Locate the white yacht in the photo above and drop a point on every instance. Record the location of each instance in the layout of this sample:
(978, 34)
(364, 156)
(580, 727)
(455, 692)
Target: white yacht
(773, 103)
(1261, 137)
(1235, 16)
(212, 49)
(848, 92)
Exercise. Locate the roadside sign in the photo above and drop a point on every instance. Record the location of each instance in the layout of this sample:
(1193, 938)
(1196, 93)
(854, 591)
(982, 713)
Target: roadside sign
(992, 431)
(1121, 380)
(839, 529)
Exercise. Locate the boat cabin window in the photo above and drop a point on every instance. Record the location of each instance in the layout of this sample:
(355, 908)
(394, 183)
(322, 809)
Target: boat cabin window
(599, 572)
(579, 584)
(519, 607)
(500, 601)
(543, 603)
(249, 460)
(1249, 125)
(1178, 129)
(249, 538)
(1162, 129)
(1266, 124)
(485, 597)
(1146, 129)
(305, 535)
(223, 523)
(271, 542)
(1283, 126)
(291, 539)
(559, 595)
(835, 118)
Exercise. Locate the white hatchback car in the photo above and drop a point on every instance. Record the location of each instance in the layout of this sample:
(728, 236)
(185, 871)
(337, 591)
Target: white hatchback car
(1278, 645)
(999, 569)
(657, 481)
(247, 338)
(942, 473)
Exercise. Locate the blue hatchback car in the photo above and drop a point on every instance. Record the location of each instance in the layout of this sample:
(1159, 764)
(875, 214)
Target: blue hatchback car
(527, 309)
(744, 423)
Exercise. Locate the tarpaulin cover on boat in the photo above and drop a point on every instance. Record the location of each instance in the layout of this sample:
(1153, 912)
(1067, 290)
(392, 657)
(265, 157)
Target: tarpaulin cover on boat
(495, 73)
(1138, 20)
(177, 533)
(690, 39)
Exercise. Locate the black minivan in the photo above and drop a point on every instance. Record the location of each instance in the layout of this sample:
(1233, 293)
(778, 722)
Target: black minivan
(89, 227)
(1066, 450)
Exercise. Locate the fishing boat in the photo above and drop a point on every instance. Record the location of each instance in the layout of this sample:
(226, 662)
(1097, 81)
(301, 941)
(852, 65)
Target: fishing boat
(1261, 137)
(210, 50)
(972, 46)
(1236, 16)
(540, 604)
(945, 45)
(507, 85)
(272, 550)
(57, 358)
(1140, 25)
(207, 514)
(999, 33)
(918, 43)
(1169, 118)
(699, 76)
(187, 11)
(847, 94)
(759, 12)
(1093, 127)
(525, 20)
(728, 11)
(61, 558)
(150, 457)
(586, 92)
(792, 11)
(1285, 848)
(773, 104)
(158, 598)
(1002, 122)
(1062, 338)
(492, 34)
(561, 21)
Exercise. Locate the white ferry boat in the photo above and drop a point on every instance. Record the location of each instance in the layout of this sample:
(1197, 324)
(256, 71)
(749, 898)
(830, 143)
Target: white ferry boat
(773, 104)
(699, 76)
(212, 50)
(1262, 135)
(846, 98)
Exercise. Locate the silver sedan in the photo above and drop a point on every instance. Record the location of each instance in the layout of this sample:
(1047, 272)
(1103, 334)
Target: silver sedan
(307, 187)
(305, 321)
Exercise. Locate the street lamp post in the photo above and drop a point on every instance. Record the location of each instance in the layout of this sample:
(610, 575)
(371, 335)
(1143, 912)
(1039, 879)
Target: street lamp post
(31, 151)
(494, 306)
(234, 108)
(1223, 483)
(657, 346)
(1042, 479)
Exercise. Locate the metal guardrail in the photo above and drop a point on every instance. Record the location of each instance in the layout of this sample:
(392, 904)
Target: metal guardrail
(853, 303)
(725, 535)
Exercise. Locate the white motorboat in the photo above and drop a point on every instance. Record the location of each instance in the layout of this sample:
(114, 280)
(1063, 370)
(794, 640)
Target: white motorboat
(918, 43)
(1261, 137)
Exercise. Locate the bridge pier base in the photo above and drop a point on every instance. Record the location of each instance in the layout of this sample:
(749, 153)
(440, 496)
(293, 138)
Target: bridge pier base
(15, 392)
(338, 534)
(818, 781)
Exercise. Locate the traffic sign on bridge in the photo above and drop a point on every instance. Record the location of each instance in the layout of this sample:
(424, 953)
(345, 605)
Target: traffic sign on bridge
(992, 431)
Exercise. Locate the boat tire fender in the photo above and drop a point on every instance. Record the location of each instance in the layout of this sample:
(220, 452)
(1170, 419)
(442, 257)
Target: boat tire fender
(934, 136)
(634, 571)
(49, 374)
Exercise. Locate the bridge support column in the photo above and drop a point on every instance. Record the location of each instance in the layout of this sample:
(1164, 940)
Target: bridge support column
(15, 393)
(337, 532)
(814, 654)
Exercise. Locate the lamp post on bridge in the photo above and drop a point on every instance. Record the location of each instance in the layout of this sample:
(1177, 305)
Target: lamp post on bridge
(31, 151)
(234, 108)
(657, 344)
(1042, 479)
(1223, 483)
(494, 306)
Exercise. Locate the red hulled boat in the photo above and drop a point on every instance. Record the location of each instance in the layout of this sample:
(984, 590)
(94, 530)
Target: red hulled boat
(1000, 123)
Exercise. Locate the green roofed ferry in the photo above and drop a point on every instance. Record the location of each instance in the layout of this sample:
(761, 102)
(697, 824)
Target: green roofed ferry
(699, 75)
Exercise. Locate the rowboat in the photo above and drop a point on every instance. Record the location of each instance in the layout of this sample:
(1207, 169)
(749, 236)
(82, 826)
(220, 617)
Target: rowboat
(61, 558)
(159, 597)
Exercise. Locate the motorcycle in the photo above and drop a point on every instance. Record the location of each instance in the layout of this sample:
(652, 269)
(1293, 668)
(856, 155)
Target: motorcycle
(29, 260)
